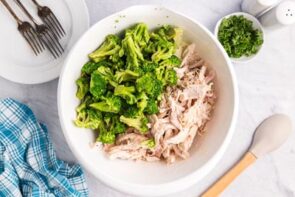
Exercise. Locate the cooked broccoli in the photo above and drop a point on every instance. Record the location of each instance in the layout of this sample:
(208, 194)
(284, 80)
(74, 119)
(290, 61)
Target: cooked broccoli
(166, 76)
(84, 103)
(150, 143)
(126, 92)
(112, 126)
(98, 85)
(152, 107)
(170, 33)
(126, 75)
(142, 101)
(88, 118)
(90, 66)
(107, 74)
(132, 50)
(173, 61)
(164, 50)
(105, 136)
(117, 127)
(160, 72)
(139, 123)
(83, 87)
(149, 66)
(170, 77)
(131, 112)
(108, 104)
(150, 85)
(123, 81)
(140, 34)
(116, 57)
(110, 46)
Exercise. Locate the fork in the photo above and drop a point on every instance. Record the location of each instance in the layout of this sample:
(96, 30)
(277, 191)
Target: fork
(50, 19)
(45, 34)
(27, 31)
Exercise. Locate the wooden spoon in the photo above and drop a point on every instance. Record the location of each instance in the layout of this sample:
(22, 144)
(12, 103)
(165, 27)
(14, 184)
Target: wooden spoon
(269, 136)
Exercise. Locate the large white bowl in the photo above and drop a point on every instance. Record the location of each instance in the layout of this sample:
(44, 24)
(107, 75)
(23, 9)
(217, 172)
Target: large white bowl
(141, 178)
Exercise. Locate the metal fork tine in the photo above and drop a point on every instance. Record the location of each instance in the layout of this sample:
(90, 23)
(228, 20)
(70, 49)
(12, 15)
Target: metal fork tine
(52, 27)
(30, 43)
(34, 41)
(56, 42)
(48, 47)
(51, 43)
(39, 42)
(31, 37)
(57, 22)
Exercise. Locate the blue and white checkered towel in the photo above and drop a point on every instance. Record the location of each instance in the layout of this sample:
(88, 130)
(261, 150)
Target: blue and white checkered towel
(28, 164)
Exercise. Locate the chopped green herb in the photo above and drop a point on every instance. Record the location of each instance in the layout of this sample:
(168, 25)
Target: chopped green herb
(239, 37)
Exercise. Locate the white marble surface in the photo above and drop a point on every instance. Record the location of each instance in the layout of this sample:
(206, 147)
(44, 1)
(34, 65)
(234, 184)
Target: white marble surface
(266, 85)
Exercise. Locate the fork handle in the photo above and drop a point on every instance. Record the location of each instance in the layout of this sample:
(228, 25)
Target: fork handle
(11, 11)
(19, 3)
(36, 3)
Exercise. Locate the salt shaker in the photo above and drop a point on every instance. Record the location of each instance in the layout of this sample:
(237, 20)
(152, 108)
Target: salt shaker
(258, 7)
(280, 16)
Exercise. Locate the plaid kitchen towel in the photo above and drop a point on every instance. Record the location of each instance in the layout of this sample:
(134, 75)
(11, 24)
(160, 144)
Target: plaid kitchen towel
(28, 164)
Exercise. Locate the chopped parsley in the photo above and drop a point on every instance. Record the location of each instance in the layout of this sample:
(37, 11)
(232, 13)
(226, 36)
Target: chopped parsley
(238, 36)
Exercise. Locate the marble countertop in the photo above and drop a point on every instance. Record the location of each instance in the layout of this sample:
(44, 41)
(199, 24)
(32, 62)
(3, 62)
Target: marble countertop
(266, 86)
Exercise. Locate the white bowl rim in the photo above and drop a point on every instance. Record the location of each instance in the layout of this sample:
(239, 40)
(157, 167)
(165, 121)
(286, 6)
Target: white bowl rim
(249, 17)
(176, 185)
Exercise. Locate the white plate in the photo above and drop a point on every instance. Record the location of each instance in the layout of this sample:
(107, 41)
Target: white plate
(18, 62)
(142, 178)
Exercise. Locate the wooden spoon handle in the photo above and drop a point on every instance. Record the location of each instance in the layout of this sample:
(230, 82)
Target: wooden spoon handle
(224, 181)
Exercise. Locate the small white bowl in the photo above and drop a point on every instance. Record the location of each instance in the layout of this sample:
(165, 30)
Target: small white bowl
(142, 178)
(256, 25)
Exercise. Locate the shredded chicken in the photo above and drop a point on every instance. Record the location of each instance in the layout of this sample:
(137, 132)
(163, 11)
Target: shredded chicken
(184, 111)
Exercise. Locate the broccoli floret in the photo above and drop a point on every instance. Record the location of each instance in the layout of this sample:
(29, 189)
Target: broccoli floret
(160, 71)
(98, 85)
(173, 61)
(83, 87)
(132, 51)
(170, 33)
(139, 122)
(105, 136)
(90, 66)
(164, 50)
(110, 104)
(126, 93)
(149, 84)
(117, 127)
(152, 107)
(150, 143)
(118, 65)
(149, 66)
(112, 126)
(142, 101)
(170, 77)
(131, 112)
(140, 34)
(109, 47)
(107, 74)
(115, 58)
(126, 75)
(88, 118)
(84, 103)
(166, 76)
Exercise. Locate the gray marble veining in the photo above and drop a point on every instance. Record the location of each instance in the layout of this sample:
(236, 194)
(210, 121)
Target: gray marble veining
(266, 86)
